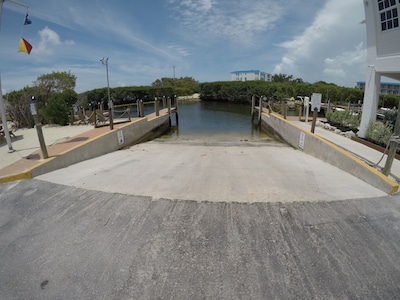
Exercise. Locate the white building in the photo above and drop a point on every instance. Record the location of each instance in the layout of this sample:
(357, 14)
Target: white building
(386, 88)
(250, 75)
(383, 52)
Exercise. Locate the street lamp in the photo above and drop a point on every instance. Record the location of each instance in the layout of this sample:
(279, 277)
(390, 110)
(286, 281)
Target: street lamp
(104, 61)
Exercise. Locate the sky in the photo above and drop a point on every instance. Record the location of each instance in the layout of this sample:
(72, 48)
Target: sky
(204, 39)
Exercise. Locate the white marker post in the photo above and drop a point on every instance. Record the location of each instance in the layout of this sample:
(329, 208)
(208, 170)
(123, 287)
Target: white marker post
(306, 108)
(315, 107)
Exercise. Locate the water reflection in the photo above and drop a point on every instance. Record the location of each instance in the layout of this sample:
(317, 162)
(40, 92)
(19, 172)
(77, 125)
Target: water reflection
(215, 121)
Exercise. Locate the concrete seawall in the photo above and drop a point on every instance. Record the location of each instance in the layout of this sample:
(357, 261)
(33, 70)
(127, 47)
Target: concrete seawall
(322, 149)
(108, 142)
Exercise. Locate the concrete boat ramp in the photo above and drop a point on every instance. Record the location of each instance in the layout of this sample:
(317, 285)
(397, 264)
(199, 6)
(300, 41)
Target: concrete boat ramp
(202, 220)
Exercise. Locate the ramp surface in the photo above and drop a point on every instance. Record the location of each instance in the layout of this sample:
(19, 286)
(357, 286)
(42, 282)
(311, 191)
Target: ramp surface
(214, 171)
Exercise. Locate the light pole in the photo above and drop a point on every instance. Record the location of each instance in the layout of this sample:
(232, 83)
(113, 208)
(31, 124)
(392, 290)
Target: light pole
(104, 61)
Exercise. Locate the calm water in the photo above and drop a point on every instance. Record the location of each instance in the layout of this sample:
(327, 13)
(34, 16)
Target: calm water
(214, 121)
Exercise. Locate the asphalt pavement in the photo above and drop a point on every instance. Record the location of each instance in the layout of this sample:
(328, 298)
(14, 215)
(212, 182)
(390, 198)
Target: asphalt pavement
(63, 242)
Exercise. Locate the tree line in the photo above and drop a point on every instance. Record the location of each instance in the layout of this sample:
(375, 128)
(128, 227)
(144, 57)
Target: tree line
(241, 92)
(238, 91)
(55, 95)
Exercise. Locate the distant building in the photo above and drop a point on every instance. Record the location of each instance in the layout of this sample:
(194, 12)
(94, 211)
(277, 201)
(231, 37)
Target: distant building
(383, 53)
(250, 75)
(387, 88)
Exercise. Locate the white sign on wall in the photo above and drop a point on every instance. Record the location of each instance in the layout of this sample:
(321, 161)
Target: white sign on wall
(302, 139)
(120, 135)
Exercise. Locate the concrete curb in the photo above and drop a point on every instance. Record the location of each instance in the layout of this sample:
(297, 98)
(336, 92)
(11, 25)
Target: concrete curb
(17, 176)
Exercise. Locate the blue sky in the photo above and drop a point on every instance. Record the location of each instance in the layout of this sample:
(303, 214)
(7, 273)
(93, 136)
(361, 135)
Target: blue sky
(204, 39)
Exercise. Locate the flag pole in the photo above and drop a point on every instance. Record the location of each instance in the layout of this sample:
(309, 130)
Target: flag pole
(18, 3)
(2, 106)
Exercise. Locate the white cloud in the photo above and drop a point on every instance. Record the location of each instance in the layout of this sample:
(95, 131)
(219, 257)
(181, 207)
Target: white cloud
(198, 6)
(69, 42)
(326, 49)
(48, 39)
(179, 49)
(338, 66)
(240, 21)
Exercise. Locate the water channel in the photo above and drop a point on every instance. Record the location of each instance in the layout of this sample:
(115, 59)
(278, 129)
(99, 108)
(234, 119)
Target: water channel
(216, 121)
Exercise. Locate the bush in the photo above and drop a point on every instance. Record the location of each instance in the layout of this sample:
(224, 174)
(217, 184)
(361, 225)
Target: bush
(390, 116)
(55, 111)
(343, 118)
(378, 133)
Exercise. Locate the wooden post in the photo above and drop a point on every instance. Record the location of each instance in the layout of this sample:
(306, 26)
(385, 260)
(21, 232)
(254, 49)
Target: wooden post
(284, 110)
(110, 117)
(39, 130)
(253, 106)
(176, 111)
(164, 103)
(260, 107)
(169, 105)
(72, 117)
(95, 118)
(156, 107)
(141, 104)
(315, 114)
(392, 147)
(41, 140)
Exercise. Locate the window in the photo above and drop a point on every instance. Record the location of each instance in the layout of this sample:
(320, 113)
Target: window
(389, 14)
